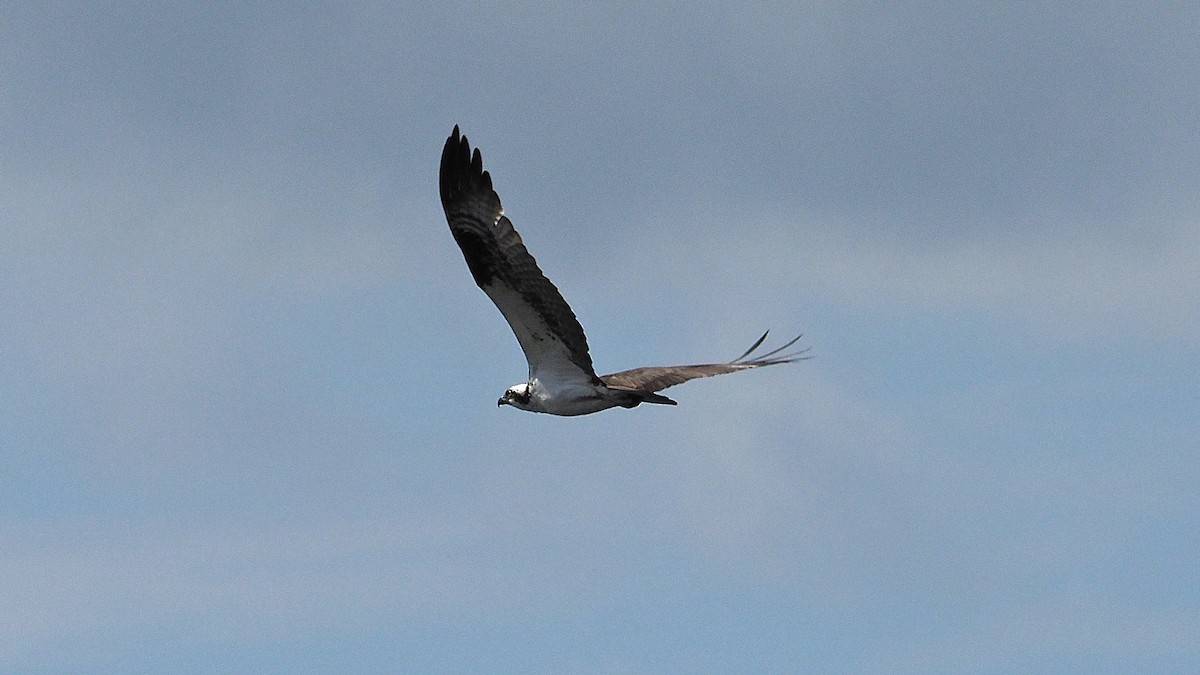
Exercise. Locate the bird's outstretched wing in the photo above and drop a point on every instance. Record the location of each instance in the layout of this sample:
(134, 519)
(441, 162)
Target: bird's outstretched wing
(550, 335)
(660, 377)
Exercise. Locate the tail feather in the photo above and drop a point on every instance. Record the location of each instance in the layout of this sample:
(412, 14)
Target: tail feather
(631, 397)
(651, 397)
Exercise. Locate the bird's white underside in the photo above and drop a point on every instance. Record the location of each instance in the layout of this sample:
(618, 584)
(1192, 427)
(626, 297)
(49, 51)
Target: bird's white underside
(566, 399)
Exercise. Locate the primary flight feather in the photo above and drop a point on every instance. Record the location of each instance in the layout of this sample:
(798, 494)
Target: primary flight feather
(561, 379)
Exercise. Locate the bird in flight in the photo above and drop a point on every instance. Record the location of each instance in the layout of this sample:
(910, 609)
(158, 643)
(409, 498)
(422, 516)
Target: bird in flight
(561, 380)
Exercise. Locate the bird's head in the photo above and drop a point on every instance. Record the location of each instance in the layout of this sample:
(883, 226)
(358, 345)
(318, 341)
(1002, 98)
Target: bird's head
(517, 396)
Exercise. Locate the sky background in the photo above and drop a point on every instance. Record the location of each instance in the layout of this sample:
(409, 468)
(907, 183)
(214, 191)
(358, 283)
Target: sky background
(247, 386)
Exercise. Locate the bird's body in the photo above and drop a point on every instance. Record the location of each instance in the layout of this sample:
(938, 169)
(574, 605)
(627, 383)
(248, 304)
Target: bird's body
(561, 379)
(568, 398)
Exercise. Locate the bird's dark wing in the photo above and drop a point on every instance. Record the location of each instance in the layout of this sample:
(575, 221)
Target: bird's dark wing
(550, 335)
(658, 378)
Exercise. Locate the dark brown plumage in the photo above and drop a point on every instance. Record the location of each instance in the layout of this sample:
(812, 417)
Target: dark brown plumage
(498, 259)
(657, 378)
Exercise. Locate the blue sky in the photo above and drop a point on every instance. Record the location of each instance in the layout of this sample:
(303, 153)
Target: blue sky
(247, 387)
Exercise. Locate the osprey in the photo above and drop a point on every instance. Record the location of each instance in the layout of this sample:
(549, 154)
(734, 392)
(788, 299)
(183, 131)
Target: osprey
(561, 378)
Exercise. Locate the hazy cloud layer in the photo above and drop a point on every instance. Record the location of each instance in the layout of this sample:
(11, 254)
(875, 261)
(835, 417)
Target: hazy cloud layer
(247, 384)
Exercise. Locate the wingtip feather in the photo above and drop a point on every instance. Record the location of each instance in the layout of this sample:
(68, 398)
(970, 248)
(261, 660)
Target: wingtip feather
(754, 346)
(772, 357)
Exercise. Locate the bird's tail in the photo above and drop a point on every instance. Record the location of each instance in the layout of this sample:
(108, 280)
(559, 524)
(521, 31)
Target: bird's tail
(629, 397)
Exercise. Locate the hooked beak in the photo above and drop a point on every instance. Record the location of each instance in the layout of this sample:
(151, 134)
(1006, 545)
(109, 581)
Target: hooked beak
(503, 401)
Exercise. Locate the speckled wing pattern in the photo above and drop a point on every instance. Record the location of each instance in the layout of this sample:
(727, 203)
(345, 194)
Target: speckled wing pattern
(660, 377)
(550, 335)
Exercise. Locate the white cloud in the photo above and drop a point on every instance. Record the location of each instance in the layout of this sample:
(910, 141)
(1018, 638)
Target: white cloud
(1117, 284)
(1083, 286)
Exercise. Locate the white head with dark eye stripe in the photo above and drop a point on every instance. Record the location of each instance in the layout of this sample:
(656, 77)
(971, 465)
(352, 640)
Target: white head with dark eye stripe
(517, 396)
